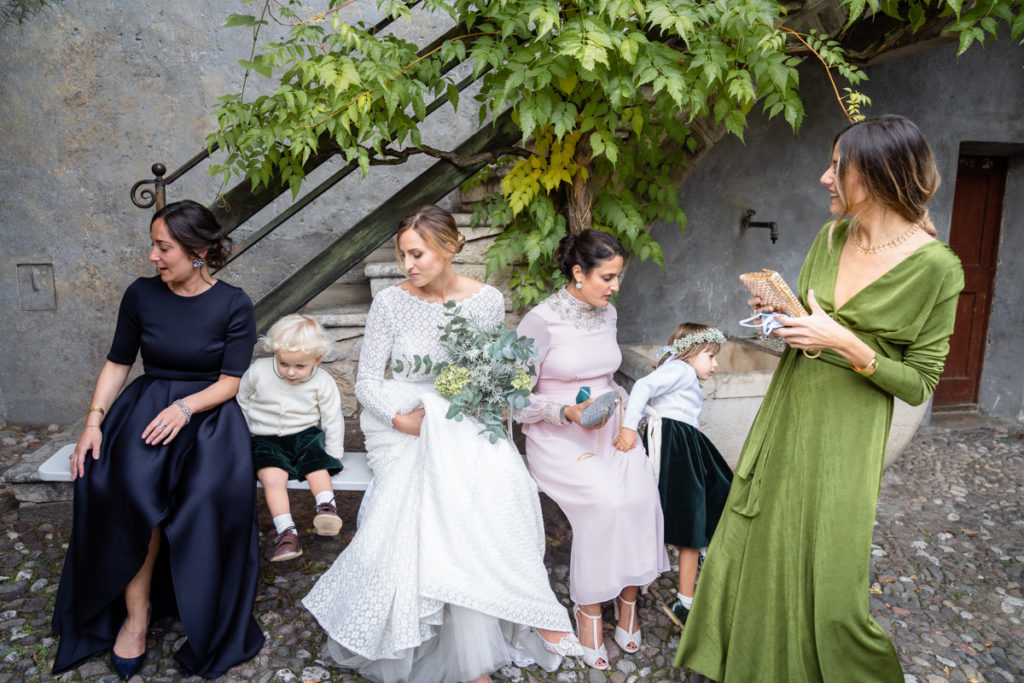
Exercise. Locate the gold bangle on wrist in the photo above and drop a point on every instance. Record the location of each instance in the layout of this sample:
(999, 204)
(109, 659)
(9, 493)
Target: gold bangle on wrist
(868, 369)
(97, 409)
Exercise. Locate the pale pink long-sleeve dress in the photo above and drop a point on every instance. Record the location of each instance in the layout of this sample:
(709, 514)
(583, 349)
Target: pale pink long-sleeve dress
(610, 497)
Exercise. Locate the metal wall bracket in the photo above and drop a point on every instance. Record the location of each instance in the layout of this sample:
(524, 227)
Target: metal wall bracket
(745, 223)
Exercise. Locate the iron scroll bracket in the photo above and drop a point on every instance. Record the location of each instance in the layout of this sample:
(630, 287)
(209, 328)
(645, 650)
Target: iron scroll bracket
(144, 198)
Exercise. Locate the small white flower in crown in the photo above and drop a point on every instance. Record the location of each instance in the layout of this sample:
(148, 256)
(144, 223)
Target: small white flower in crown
(712, 335)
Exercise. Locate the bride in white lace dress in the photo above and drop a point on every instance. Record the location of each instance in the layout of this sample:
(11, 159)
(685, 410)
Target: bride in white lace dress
(445, 579)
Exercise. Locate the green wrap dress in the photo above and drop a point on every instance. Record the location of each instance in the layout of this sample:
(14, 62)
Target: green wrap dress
(783, 595)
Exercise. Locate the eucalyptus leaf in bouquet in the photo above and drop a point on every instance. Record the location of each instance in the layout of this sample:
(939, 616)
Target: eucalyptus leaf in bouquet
(487, 373)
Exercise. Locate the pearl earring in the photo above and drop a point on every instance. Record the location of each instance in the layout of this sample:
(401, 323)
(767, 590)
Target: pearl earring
(197, 263)
(579, 285)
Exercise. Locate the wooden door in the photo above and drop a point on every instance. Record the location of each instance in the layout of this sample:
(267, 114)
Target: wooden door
(974, 236)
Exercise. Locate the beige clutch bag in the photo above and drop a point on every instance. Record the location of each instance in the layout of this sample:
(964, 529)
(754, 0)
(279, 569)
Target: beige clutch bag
(773, 291)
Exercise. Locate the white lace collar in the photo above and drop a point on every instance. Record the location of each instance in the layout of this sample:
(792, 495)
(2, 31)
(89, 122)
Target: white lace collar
(582, 315)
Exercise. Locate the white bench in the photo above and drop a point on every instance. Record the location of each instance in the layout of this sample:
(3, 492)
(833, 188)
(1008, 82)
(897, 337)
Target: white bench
(355, 477)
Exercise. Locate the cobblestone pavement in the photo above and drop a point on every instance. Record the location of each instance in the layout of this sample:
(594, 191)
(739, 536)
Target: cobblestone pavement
(946, 583)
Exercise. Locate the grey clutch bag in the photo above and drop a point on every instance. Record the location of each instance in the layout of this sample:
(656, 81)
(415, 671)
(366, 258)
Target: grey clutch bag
(598, 411)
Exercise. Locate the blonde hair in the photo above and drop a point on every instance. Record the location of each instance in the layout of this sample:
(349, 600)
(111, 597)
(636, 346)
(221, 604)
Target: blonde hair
(436, 227)
(682, 331)
(296, 333)
(895, 164)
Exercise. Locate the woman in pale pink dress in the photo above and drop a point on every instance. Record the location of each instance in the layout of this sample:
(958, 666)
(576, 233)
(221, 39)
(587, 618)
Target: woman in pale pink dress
(609, 496)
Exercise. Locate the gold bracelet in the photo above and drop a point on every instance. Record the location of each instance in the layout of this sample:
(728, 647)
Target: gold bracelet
(97, 409)
(868, 369)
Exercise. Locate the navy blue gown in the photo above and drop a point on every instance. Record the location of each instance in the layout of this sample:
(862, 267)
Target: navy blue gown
(199, 489)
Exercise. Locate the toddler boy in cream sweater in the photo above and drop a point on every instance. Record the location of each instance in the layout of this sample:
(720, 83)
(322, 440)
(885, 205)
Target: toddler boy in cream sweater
(294, 414)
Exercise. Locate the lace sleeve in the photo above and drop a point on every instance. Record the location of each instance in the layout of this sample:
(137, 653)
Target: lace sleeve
(378, 340)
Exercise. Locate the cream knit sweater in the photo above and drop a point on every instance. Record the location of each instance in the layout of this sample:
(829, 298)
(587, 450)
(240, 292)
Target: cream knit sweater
(273, 407)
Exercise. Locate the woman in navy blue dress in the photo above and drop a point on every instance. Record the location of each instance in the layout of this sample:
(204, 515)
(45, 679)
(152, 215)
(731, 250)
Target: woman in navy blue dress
(164, 506)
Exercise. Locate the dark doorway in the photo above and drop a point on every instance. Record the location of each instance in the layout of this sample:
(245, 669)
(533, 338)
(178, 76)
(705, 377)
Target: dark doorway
(974, 236)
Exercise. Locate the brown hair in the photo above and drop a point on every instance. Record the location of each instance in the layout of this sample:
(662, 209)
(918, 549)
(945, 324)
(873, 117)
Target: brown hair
(895, 164)
(587, 249)
(196, 229)
(436, 227)
(680, 332)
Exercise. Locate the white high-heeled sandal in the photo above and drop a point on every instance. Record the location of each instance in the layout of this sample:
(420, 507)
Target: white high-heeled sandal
(629, 642)
(567, 646)
(592, 655)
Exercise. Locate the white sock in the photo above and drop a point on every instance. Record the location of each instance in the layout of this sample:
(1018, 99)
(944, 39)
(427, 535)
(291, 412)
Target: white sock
(325, 497)
(282, 522)
(687, 601)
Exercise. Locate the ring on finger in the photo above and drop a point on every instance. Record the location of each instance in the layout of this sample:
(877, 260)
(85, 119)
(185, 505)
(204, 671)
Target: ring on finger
(161, 426)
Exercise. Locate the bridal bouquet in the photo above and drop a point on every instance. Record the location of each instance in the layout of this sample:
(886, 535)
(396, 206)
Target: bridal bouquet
(487, 374)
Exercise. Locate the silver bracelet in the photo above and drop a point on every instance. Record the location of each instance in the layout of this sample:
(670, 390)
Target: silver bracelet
(183, 407)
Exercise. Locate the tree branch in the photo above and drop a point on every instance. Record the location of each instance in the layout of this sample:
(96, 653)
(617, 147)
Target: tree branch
(393, 157)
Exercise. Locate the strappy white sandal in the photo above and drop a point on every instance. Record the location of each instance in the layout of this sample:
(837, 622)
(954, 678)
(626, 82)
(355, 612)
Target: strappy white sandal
(592, 655)
(629, 642)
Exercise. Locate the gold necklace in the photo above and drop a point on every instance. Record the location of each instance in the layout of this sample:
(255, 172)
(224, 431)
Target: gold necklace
(899, 239)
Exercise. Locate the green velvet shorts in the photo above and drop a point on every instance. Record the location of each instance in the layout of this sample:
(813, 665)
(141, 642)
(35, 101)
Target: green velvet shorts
(297, 454)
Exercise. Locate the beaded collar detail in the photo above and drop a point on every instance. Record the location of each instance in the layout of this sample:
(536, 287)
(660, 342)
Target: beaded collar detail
(582, 315)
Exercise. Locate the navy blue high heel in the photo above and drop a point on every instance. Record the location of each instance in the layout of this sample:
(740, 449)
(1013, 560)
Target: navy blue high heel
(126, 667)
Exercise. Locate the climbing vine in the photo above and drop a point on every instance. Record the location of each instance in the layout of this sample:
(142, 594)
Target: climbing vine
(613, 99)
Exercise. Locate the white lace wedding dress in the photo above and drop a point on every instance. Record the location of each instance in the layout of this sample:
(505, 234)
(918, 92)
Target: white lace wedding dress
(445, 576)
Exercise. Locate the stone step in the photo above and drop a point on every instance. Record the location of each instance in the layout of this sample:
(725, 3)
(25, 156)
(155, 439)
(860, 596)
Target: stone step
(351, 315)
(463, 220)
(393, 273)
(379, 270)
(340, 294)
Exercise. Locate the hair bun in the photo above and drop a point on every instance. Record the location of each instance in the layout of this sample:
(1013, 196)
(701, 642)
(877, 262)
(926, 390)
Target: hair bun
(586, 249)
(219, 251)
(460, 242)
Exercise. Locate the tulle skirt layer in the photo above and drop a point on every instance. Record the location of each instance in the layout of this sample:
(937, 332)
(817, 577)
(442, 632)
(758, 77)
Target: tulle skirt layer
(465, 646)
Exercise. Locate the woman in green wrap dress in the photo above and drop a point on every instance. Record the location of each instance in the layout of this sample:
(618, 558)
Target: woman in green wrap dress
(783, 595)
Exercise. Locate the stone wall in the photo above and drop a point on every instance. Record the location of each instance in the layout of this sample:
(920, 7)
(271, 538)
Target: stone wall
(91, 95)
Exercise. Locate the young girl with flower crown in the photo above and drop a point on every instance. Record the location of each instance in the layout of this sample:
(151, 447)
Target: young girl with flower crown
(693, 478)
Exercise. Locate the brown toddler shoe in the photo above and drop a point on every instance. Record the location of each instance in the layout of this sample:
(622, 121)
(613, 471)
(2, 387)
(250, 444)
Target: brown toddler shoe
(326, 522)
(286, 546)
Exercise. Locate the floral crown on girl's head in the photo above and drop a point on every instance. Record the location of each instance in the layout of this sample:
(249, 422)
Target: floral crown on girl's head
(712, 335)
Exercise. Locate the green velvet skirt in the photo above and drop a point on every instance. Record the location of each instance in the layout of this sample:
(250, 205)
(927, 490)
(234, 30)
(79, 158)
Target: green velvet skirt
(693, 484)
